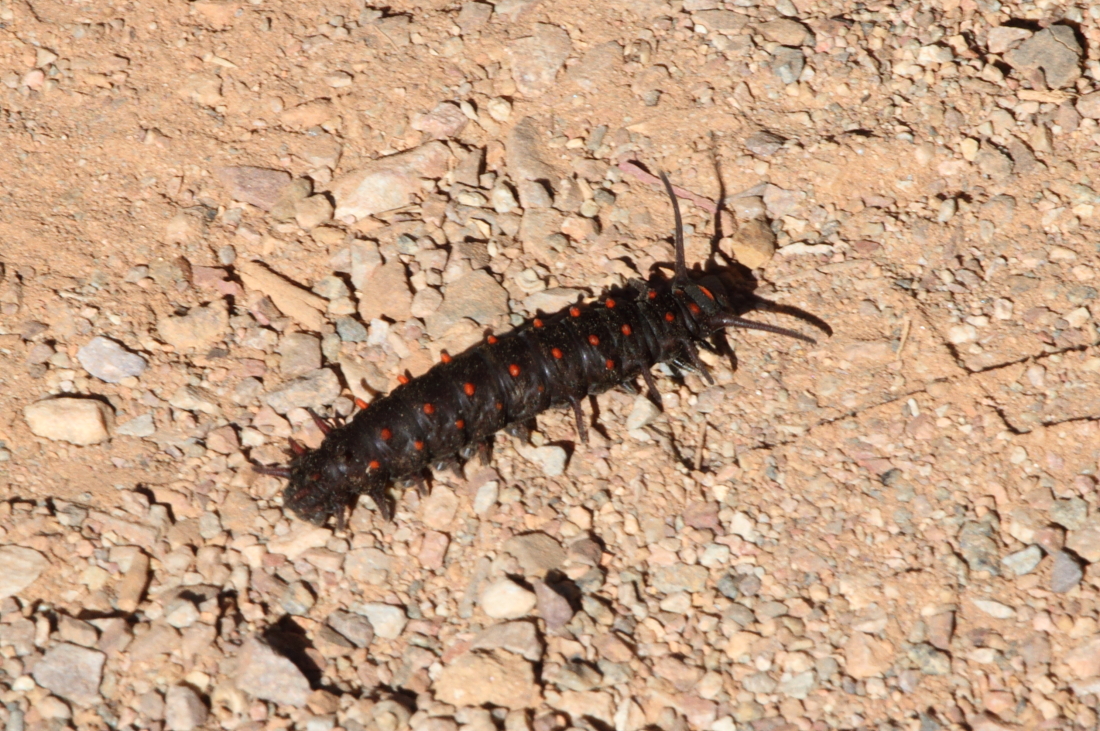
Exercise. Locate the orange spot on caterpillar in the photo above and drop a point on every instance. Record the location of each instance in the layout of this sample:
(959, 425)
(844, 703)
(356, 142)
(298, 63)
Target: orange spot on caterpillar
(694, 308)
(315, 476)
(429, 409)
(375, 464)
(651, 294)
(460, 424)
(513, 370)
(707, 292)
(610, 364)
(419, 445)
(556, 352)
(575, 311)
(541, 388)
(402, 380)
(626, 330)
(499, 406)
(669, 317)
(386, 435)
(537, 322)
(360, 403)
(469, 388)
(445, 357)
(593, 340)
(610, 304)
(492, 339)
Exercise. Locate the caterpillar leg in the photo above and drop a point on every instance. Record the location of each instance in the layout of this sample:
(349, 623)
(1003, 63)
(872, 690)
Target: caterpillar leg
(578, 414)
(652, 386)
(519, 430)
(698, 365)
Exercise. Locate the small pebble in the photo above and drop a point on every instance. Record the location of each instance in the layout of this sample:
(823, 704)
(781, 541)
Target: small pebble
(387, 620)
(505, 599)
(1066, 573)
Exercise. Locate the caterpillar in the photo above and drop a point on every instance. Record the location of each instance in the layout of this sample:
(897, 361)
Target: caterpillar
(451, 411)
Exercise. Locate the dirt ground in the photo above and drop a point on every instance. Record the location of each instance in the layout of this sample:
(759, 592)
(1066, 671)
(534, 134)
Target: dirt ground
(897, 527)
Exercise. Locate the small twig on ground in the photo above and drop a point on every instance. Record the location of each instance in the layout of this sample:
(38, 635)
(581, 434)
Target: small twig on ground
(904, 337)
(635, 171)
(699, 446)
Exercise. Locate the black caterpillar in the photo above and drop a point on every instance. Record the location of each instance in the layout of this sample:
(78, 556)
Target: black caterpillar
(504, 382)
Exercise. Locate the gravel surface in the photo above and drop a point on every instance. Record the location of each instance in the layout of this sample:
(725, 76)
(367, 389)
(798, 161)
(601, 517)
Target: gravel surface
(217, 216)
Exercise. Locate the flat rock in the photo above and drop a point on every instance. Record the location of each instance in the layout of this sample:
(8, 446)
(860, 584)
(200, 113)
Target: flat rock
(302, 537)
(440, 508)
(721, 21)
(356, 628)
(1066, 573)
(1085, 542)
(551, 300)
(444, 121)
(1089, 105)
(1023, 562)
(643, 413)
(368, 565)
(388, 621)
(108, 361)
(554, 609)
(519, 637)
(476, 296)
(505, 599)
(72, 672)
(259, 187)
(786, 32)
(526, 154)
(753, 243)
(537, 553)
(139, 426)
(550, 459)
(314, 390)
(389, 182)
(301, 353)
(199, 329)
(386, 293)
(267, 675)
(76, 420)
(496, 677)
(184, 710)
(866, 657)
(22, 567)
(537, 58)
(1055, 50)
(1005, 37)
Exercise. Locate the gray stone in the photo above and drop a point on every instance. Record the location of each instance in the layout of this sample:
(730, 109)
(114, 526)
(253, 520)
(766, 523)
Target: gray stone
(721, 21)
(1066, 572)
(1055, 50)
(108, 361)
(301, 353)
(446, 120)
(978, 548)
(1004, 38)
(297, 599)
(993, 162)
(267, 675)
(313, 390)
(788, 63)
(139, 426)
(72, 672)
(643, 413)
(786, 32)
(1071, 514)
(184, 710)
(476, 296)
(1023, 562)
(22, 567)
(389, 182)
(356, 628)
(537, 58)
(80, 421)
(929, 660)
(1089, 105)
(351, 330)
(680, 577)
(798, 685)
(759, 683)
(257, 186)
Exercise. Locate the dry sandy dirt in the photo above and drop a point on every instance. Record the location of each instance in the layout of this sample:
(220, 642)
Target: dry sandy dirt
(897, 527)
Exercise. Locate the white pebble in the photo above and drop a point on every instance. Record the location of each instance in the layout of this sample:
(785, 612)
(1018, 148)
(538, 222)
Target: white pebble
(505, 599)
